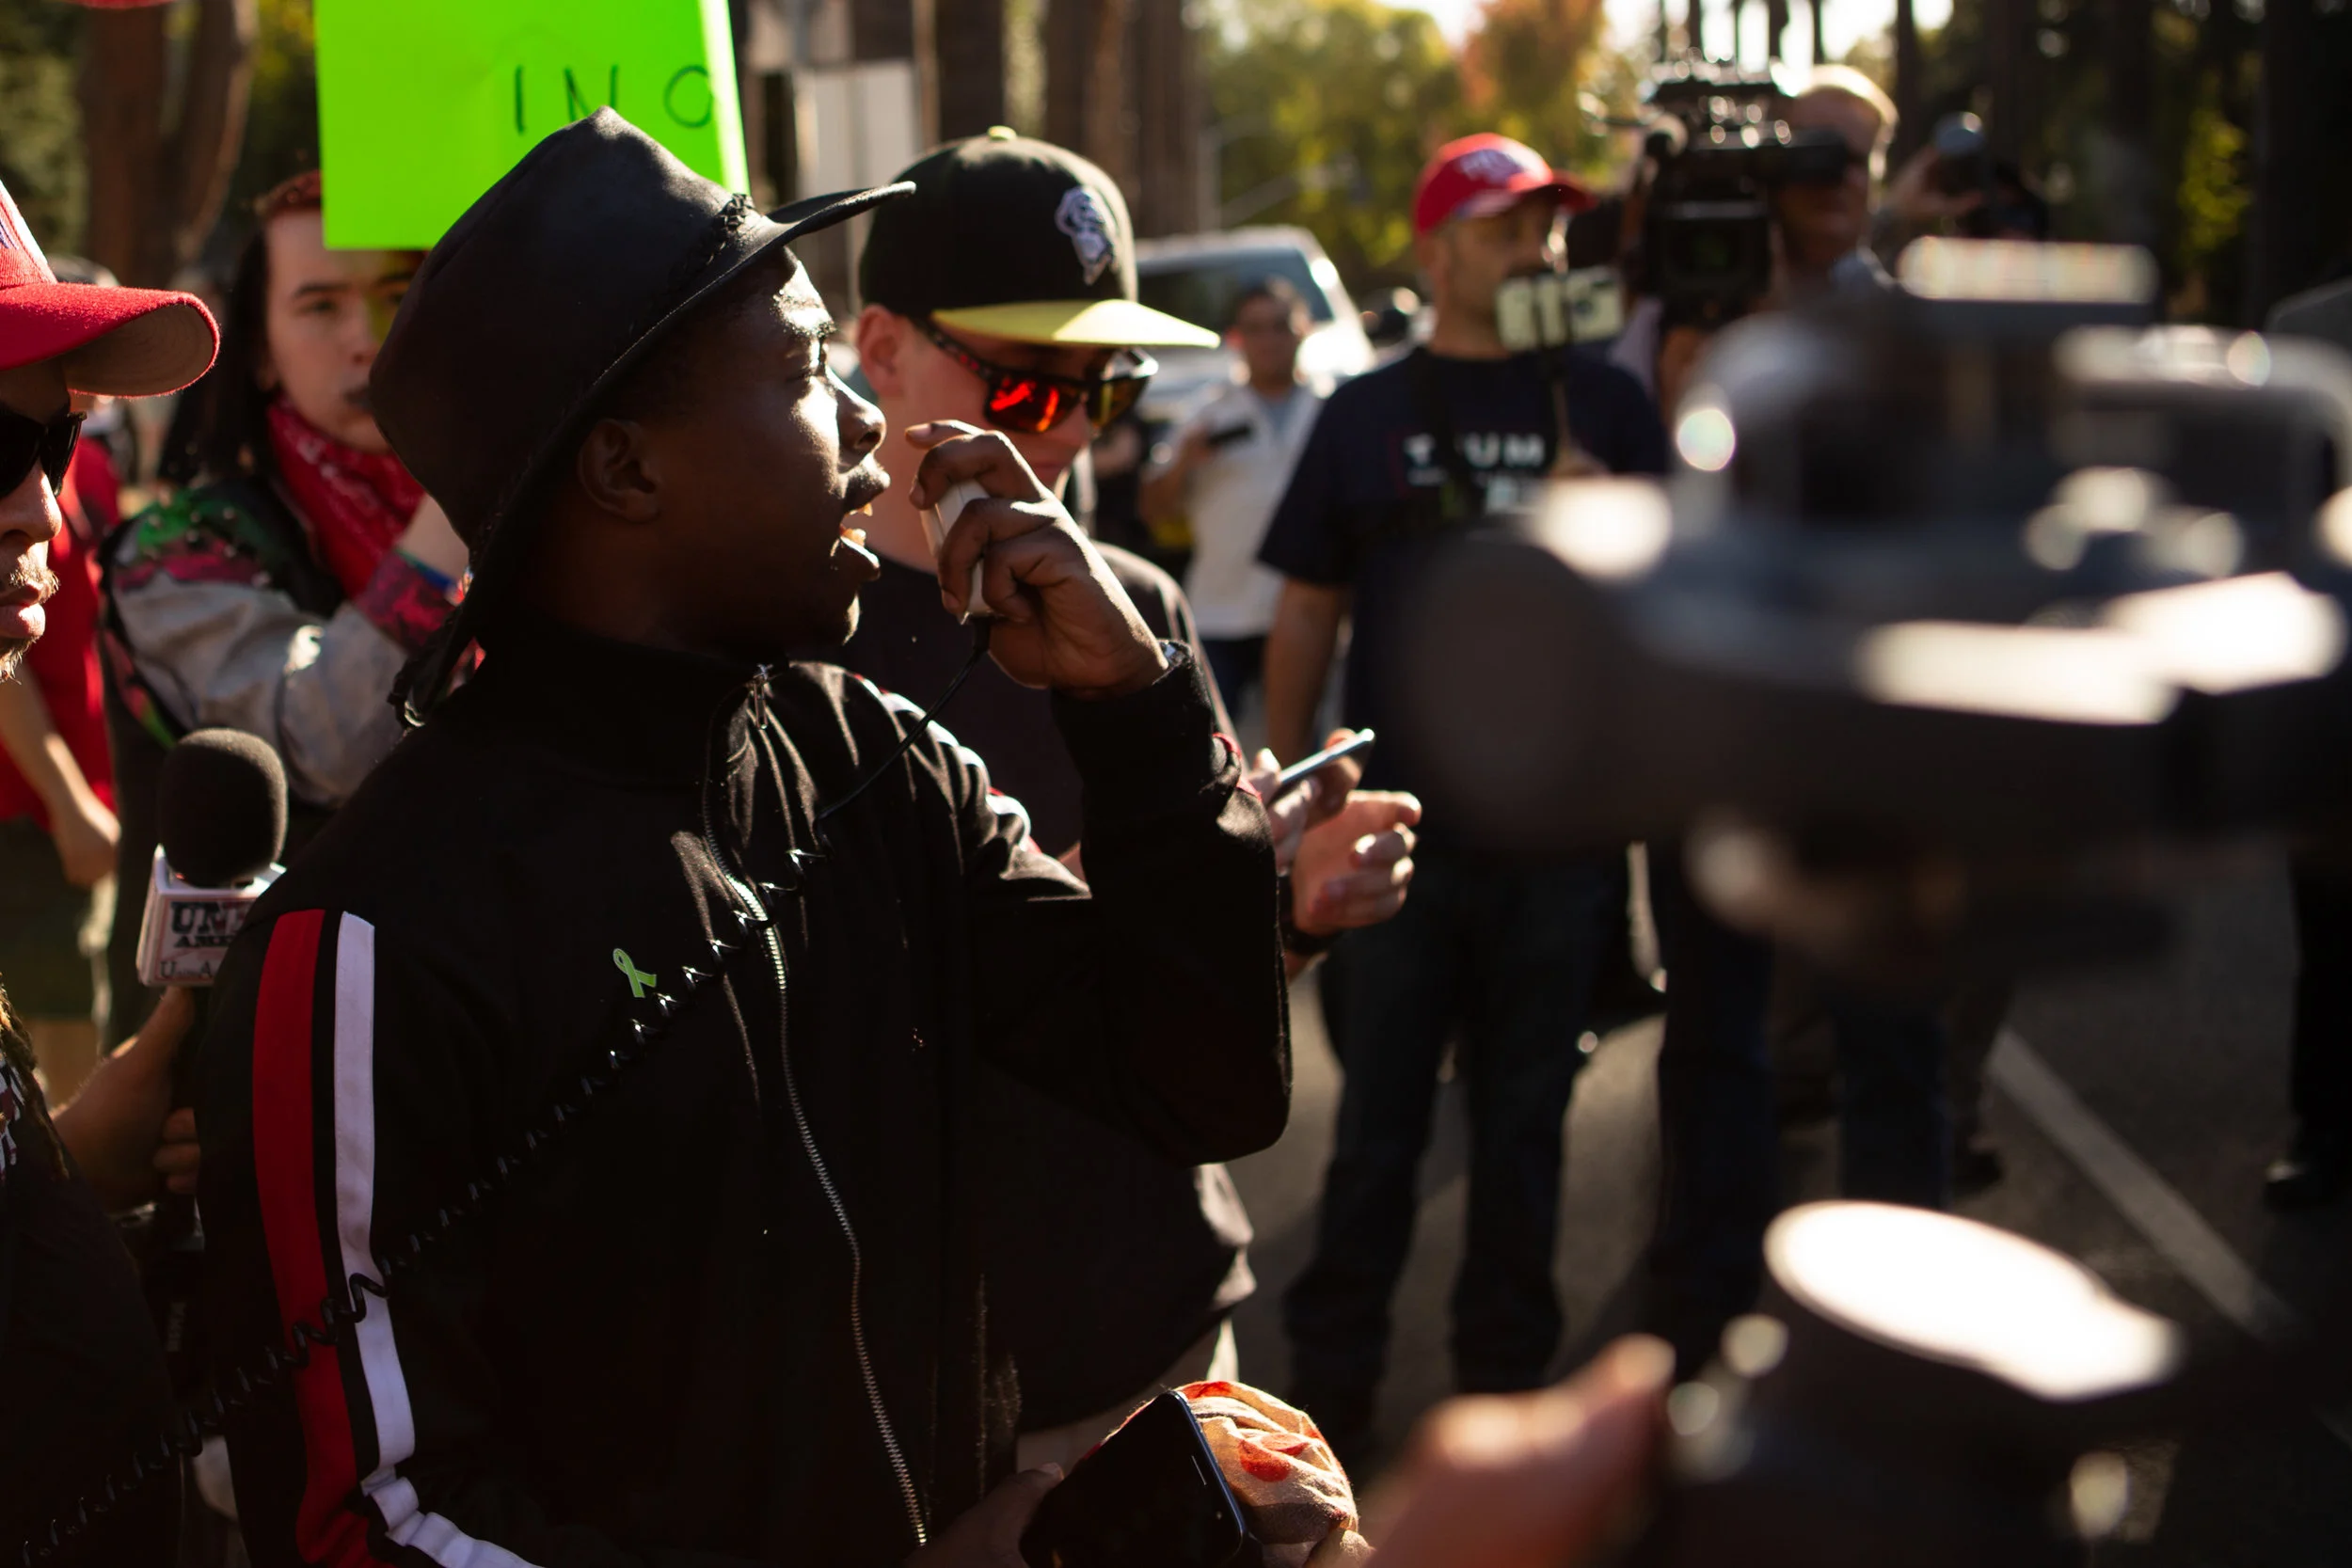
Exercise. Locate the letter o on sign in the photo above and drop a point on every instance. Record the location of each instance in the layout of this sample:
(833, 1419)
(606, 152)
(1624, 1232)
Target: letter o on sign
(687, 97)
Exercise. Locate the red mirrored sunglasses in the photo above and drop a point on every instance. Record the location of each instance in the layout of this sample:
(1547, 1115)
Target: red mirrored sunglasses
(1030, 403)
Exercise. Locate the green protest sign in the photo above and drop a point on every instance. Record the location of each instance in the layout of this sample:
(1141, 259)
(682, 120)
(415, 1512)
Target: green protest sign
(424, 103)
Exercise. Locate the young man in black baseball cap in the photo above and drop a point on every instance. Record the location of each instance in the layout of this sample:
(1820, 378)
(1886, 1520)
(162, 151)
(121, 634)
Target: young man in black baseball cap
(617, 1037)
(1002, 292)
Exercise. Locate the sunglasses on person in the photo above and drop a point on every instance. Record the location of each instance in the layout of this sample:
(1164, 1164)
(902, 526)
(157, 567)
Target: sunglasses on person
(1030, 403)
(25, 441)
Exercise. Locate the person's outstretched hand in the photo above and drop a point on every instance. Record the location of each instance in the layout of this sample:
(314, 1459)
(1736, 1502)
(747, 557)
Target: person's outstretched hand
(1917, 201)
(1063, 619)
(1354, 868)
(1527, 1481)
(988, 1535)
(115, 1127)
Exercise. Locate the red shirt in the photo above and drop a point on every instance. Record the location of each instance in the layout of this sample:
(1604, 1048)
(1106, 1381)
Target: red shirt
(64, 663)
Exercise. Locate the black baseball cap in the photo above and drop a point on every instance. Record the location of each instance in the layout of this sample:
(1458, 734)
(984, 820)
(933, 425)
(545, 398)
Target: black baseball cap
(1015, 239)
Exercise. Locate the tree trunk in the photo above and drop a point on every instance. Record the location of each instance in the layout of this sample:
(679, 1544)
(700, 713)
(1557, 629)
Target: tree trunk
(1110, 134)
(1820, 38)
(210, 134)
(2131, 116)
(156, 191)
(1172, 116)
(971, 45)
(1069, 51)
(1775, 28)
(2008, 31)
(2286, 157)
(122, 102)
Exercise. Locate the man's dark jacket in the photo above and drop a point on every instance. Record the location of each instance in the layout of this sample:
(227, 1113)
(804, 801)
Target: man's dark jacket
(661, 1343)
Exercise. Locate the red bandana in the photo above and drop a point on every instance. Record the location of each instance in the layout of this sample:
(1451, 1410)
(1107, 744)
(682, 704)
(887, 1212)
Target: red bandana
(356, 502)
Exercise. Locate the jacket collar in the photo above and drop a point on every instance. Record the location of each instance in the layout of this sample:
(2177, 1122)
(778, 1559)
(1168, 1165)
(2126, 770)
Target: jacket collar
(622, 708)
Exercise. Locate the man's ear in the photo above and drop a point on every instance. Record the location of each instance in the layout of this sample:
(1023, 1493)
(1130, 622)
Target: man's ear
(618, 471)
(881, 340)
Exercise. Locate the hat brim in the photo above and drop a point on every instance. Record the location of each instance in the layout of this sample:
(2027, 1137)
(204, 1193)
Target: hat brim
(118, 342)
(1572, 195)
(1080, 324)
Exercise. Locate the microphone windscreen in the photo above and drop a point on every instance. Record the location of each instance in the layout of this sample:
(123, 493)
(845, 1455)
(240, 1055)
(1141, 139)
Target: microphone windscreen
(221, 808)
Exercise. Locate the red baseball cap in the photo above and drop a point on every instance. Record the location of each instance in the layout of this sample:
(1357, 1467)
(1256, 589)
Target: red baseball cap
(1481, 175)
(124, 342)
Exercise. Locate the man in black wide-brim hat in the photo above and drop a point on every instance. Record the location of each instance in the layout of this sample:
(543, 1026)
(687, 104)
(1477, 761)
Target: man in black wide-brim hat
(616, 1035)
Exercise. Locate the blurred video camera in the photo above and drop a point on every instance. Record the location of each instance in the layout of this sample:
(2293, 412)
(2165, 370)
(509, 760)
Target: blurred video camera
(1986, 597)
(1720, 151)
(1973, 621)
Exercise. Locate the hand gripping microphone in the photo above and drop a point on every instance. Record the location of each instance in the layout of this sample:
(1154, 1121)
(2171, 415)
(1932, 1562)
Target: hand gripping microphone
(221, 810)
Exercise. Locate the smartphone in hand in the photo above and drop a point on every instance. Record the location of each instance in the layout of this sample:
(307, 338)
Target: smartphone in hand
(1150, 1496)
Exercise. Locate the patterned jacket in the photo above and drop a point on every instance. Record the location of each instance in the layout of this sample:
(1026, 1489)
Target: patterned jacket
(219, 612)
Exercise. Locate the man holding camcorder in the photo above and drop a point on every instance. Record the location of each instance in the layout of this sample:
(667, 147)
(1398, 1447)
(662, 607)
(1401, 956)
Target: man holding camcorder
(1717, 1113)
(1503, 949)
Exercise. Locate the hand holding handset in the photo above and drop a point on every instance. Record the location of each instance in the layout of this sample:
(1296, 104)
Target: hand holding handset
(1150, 1496)
(1306, 767)
(938, 519)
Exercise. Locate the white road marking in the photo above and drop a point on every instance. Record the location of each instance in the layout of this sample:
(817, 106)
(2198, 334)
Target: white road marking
(2154, 1208)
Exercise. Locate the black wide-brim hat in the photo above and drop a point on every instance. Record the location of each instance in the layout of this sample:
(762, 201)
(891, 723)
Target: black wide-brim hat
(538, 299)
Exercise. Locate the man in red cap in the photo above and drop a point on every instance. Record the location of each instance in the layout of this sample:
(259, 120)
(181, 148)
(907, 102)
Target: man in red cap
(1498, 952)
(78, 1356)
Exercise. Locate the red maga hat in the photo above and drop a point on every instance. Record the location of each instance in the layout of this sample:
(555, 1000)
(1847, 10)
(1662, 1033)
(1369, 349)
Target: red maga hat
(127, 342)
(1481, 175)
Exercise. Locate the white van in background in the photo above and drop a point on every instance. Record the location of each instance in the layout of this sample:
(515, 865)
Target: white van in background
(1198, 277)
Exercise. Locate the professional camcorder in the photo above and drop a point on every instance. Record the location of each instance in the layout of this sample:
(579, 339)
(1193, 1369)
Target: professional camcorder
(1719, 152)
(1989, 583)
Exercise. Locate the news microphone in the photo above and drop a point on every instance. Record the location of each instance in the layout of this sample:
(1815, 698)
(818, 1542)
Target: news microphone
(221, 815)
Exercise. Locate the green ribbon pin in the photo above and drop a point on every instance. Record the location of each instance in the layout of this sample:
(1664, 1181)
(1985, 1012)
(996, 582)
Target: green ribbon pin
(639, 981)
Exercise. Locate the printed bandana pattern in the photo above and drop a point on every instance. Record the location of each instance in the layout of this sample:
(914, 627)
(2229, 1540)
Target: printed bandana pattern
(357, 502)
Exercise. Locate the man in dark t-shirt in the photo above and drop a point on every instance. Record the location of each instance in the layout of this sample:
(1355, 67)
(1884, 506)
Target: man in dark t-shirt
(1502, 950)
(1111, 1270)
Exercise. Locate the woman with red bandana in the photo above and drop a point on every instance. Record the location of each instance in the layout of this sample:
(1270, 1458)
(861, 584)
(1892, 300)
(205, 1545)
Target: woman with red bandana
(281, 590)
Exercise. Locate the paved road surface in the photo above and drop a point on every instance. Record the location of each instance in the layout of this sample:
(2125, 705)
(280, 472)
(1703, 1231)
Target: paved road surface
(2139, 1151)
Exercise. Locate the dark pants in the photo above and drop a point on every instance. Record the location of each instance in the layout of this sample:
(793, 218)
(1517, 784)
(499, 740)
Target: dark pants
(1235, 662)
(1504, 953)
(2321, 1082)
(1719, 1134)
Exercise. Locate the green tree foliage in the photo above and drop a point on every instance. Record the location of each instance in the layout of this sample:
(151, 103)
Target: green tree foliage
(2214, 195)
(1325, 110)
(1524, 68)
(41, 133)
(1351, 93)
(2203, 57)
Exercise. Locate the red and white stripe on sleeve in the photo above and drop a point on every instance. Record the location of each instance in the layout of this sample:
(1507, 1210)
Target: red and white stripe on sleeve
(314, 1161)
